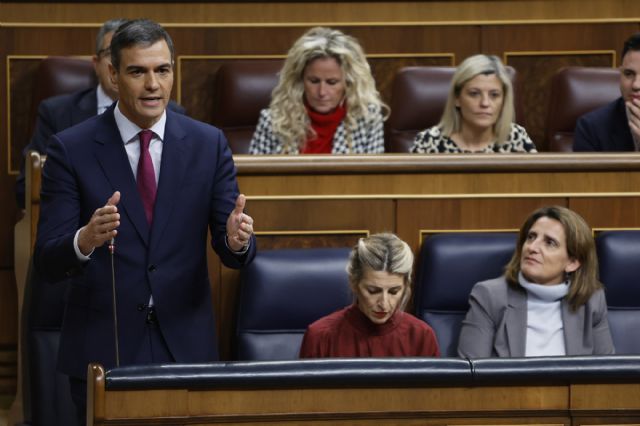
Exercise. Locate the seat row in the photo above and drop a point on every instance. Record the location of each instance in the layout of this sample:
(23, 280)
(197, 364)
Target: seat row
(283, 291)
(243, 87)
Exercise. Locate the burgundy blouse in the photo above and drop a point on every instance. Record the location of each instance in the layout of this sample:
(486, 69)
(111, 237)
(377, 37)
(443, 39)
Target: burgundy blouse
(349, 333)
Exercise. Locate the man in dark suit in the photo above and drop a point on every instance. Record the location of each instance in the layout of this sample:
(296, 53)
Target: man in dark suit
(616, 126)
(155, 181)
(61, 112)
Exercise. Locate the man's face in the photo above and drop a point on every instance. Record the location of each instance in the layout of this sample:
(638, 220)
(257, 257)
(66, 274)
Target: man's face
(101, 62)
(630, 76)
(144, 82)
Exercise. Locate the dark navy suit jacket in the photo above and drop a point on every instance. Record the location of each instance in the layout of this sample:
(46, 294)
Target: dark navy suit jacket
(56, 114)
(197, 189)
(604, 129)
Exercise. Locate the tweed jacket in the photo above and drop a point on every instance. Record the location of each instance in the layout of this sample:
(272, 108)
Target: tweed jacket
(366, 138)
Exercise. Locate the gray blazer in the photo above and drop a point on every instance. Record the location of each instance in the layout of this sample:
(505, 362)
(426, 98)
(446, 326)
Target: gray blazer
(496, 323)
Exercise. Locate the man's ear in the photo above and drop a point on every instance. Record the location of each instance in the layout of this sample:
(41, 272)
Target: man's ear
(113, 74)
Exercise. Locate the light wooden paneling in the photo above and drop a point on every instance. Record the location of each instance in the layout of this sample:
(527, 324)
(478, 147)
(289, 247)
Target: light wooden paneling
(415, 216)
(283, 12)
(402, 30)
(534, 405)
(602, 212)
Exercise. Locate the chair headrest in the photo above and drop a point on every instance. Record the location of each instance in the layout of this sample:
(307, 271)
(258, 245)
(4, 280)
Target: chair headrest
(242, 89)
(289, 289)
(450, 264)
(574, 92)
(618, 255)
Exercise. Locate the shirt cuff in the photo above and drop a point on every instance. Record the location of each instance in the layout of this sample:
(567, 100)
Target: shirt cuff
(81, 257)
(244, 250)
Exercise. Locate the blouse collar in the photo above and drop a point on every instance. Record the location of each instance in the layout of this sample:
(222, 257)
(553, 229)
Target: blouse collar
(363, 324)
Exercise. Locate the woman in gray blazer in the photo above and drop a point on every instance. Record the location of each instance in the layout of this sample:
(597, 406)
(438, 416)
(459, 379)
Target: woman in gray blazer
(549, 302)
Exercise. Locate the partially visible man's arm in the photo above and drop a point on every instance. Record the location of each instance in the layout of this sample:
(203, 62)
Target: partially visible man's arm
(54, 254)
(584, 139)
(45, 127)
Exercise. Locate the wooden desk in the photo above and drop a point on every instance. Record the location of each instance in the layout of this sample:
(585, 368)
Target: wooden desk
(331, 201)
(238, 399)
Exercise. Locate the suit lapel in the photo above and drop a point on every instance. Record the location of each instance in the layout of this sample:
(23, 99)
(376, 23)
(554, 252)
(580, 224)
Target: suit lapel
(516, 321)
(573, 323)
(112, 157)
(172, 172)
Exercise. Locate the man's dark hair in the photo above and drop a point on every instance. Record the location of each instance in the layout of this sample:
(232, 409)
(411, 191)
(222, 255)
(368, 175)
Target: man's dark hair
(632, 43)
(136, 32)
(108, 27)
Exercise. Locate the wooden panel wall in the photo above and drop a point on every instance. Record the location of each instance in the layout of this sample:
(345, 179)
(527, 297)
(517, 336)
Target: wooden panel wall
(535, 50)
(325, 11)
(394, 34)
(539, 404)
(312, 202)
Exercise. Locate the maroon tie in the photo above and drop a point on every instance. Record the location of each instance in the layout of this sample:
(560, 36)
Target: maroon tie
(146, 177)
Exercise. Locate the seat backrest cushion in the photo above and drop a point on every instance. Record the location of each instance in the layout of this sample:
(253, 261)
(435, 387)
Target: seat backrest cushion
(242, 89)
(574, 92)
(282, 292)
(59, 75)
(417, 100)
(449, 266)
(618, 256)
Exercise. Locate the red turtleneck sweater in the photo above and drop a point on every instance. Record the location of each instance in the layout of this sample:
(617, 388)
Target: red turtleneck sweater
(325, 126)
(349, 333)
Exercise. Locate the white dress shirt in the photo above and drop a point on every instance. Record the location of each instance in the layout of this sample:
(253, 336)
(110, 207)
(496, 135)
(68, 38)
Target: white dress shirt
(104, 101)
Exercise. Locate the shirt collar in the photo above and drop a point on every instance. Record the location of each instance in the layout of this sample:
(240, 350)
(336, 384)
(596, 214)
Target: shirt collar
(129, 130)
(104, 101)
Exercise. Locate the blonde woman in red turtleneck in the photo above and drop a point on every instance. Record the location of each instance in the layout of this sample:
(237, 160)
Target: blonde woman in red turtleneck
(375, 325)
(326, 101)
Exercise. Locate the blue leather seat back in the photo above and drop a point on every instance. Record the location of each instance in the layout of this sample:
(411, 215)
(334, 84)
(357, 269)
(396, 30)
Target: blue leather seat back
(619, 258)
(449, 266)
(282, 292)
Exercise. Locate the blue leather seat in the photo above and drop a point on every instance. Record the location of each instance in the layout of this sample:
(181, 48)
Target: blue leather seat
(619, 258)
(449, 266)
(282, 292)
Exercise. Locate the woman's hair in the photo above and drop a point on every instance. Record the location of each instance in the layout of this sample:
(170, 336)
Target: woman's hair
(580, 246)
(451, 121)
(288, 114)
(381, 252)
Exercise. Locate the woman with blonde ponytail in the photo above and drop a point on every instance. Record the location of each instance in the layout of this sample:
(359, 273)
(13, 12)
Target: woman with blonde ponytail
(375, 325)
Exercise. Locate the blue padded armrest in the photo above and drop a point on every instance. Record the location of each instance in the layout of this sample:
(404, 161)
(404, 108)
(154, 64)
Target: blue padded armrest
(561, 370)
(377, 372)
(299, 374)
